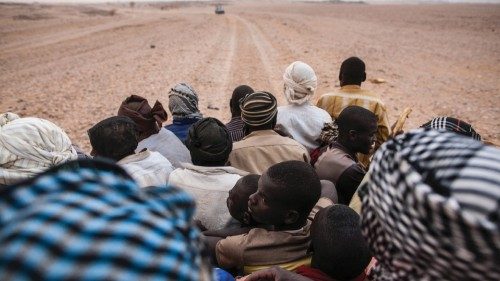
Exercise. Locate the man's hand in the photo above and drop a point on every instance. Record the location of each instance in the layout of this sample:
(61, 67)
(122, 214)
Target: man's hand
(200, 225)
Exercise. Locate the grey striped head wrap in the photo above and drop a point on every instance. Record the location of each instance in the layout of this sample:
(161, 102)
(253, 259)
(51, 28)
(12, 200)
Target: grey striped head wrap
(453, 125)
(430, 208)
(183, 101)
(258, 108)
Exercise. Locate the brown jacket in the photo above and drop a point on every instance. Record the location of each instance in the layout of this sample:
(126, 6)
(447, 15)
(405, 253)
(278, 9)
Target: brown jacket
(261, 149)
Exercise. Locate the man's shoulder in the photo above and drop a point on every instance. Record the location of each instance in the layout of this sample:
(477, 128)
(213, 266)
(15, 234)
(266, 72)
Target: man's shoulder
(166, 135)
(179, 176)
(259, 237)
(347, 94)
(257, 138)
(334, 155)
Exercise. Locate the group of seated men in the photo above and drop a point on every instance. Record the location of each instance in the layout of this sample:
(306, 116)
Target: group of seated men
(293, 192)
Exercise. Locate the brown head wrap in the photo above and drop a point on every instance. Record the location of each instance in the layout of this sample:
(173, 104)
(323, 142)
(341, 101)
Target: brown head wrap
(148, 120)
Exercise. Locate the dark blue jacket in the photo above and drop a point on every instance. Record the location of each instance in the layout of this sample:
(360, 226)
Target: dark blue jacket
(180, 127)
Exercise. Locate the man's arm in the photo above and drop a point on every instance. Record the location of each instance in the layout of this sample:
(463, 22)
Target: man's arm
(227, 252)
(329, 191)
(211, 242)
(348, 183)
(225, 232)
(274, 274)
(383, 129)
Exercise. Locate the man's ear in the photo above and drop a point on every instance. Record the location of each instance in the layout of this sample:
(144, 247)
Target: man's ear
(353, 134)
(231, 101)
(246, 218)
(246, 130)
(291, 217)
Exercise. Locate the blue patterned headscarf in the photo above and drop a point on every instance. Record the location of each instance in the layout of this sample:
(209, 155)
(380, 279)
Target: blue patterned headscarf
(88, 220)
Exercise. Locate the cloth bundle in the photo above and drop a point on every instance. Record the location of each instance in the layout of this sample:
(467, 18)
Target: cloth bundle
(183, 101)
(148, 120)
(258, 108)
(329, 133)
(300, 83)
(430, 208)
(29, 146)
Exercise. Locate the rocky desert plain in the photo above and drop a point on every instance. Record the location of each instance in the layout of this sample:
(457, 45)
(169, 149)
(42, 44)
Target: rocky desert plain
(74, 64)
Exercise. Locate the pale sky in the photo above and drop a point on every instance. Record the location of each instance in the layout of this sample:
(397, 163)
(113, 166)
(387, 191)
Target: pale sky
(368, 1)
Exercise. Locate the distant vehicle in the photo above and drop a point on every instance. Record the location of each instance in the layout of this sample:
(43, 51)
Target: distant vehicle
(219, 10)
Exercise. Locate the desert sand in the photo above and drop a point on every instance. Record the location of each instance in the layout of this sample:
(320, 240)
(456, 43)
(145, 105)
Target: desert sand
(74, 64)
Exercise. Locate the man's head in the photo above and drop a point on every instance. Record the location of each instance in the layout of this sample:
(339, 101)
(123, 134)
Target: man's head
(352, 72)
(259, 111)
(454, 125)
(89, 203)
(300, 82)
(148, 120)
(444, 202)
(115, 138)
(183, 101)
(357, 128)
(239, 93)
(340, 250)
(237, 201)
(209, 142)
(29, 146)
(286, 194)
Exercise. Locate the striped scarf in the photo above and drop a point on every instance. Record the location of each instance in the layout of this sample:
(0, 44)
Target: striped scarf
(430, 208)
(183, 102)
(258, 108)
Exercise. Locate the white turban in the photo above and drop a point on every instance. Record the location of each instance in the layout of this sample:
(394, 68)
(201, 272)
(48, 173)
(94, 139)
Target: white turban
(300, 82)
(29, 146)
(8, 117)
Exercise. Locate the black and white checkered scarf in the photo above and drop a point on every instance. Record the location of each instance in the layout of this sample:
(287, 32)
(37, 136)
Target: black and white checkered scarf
(431, 208)
(453, 125)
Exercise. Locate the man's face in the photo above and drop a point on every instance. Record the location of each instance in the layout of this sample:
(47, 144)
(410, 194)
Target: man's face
(365, 139)
(264, 206)
(233, 203)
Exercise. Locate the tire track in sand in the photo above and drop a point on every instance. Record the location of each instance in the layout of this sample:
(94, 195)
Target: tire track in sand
(227, 49)
(210, 69)
(266, 55)
(73, 34)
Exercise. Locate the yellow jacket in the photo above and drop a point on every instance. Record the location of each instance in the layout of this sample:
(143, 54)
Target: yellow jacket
(349, 95)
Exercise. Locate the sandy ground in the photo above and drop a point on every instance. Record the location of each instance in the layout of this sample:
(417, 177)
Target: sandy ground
(75, 64)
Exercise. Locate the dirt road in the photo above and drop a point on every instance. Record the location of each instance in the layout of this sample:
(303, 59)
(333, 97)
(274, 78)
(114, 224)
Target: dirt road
(75, 64)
